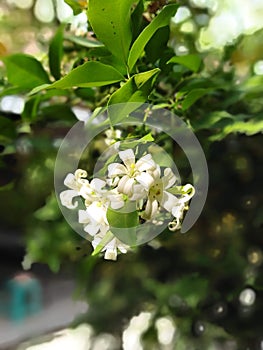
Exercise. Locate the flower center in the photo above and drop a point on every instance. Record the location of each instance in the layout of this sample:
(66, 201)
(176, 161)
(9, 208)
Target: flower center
(132, 169)
(156, 191)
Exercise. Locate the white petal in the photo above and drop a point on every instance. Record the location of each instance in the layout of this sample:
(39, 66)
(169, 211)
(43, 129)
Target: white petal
(174, 225)
(85, 191)
(169, 201)
(79, 173)
(115, 202)
(70, 181)
(116, 169)
(122, 183)
(96, 212)
(118, 133)
(150, 209)
(178, 210)
(97, 184)
(92, 229)
(169, 178)
(138, 192)
(84, 218)
(96, 241)
(127, 157)
(113, 182)
(190, 192)
(145, 179)
(104, 228)
(154, 208)
(66, 198)
(129, 187)
(156, 173)
(111, 254)
(122, 248)
(145, 163)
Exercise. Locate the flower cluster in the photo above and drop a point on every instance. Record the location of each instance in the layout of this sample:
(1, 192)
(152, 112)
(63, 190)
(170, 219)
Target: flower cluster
(138, 181)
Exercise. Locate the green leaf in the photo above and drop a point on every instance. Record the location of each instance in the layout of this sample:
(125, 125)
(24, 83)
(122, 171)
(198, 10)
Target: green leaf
(123, 222)
(192, 289)
(31, 108)
(7, 187)
(55, 53)
(249, 128)
(38, 89)
(7, 128)
(54, 263)
(86, 94)
(161, 20)
(137, 19)
(194, 83)
(83, 41)
(123, 218)
(12, 91)
(50, 211)
(193, 96)
(157, 44)
(51, 112)
(99, 52)
(25, 71)
(136, 89)
(253, 84)
(106, 239)
(192, 62)
(210, 119)
(111, 21)
(88, 74)
(133, 143)
(225, 123)
(76, 5)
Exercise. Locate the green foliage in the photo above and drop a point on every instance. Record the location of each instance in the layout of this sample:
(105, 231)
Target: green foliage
(50, 211)
(123, 222)
(193, 96)
(111, 21)
(55, 53)
(136, 89)
(190, 289)
(83, 41)
(25, 71)
(192, 62)
(8, 131)
(128, 214)
(161, 20)
(88, 75)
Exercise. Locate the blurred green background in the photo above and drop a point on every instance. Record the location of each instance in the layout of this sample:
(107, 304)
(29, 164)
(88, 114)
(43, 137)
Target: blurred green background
(208, 283)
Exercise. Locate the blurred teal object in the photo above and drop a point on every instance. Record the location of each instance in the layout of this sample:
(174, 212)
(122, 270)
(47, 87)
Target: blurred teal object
(25, 297)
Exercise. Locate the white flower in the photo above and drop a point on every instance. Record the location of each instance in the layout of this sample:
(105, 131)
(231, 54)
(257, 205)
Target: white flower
(111, 248)
(178, 212)
(115, 199)
(97, 202)
(74, 182)
(111, 136)
(132, 172)
(159, 196)
(94, 219)
(93, 191)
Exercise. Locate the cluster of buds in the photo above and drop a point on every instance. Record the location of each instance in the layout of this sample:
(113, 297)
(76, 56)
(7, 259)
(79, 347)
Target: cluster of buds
(141, 182)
